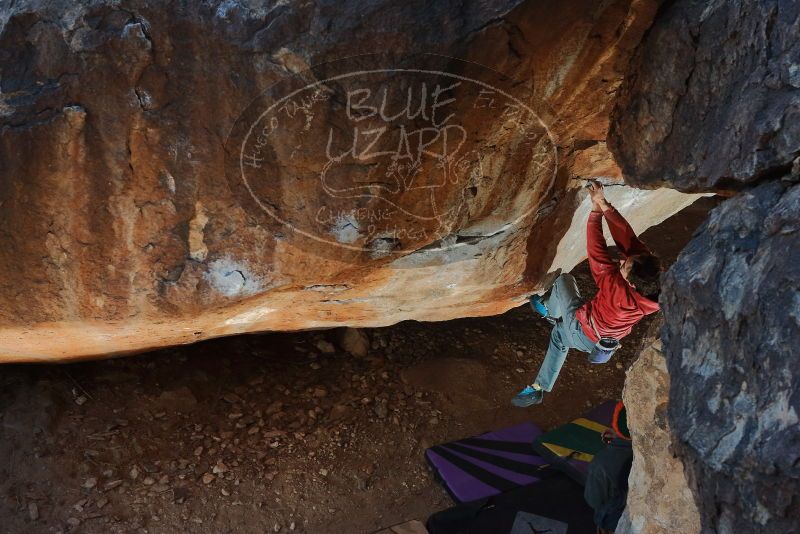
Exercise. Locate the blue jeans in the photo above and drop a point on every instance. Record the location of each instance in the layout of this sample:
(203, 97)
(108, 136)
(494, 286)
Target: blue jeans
(564, 300)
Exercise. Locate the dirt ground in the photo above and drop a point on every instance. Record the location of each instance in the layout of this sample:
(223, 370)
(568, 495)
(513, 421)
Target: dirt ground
(280, 432)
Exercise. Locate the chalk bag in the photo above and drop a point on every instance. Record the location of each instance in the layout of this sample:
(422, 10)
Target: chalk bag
(604, 350)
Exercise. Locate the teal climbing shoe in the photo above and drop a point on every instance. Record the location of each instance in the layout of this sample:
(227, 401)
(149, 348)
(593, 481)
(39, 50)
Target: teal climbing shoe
(528, 397)
(538, 306)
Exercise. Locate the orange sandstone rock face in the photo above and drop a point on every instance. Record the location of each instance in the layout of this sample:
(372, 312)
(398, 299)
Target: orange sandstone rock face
(173, 173)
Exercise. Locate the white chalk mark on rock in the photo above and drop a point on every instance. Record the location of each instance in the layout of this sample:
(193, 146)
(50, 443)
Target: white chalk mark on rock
(232, 278)
(345, 229)
(197, 247)
(249, 317)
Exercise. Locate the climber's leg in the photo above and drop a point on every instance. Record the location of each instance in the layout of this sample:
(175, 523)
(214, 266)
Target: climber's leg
(548, 373)
(564, 297)
(553, 360)
(567, 333)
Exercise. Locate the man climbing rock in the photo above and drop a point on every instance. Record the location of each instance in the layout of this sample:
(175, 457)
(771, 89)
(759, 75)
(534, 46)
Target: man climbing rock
(627, 291)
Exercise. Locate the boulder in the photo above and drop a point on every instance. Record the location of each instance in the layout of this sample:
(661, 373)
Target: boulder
(659, 497)
(354, 341)
(711, 102)
(732, 326)
(713, 98)
(178, 171)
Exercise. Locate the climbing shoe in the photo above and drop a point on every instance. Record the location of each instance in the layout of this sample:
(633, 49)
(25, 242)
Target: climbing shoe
(538, 306)
(528, 397)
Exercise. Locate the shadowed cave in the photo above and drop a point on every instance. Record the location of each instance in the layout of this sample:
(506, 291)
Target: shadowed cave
(292, 291)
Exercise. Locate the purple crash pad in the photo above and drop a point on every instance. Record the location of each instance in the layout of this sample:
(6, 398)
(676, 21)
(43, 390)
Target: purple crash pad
(489, 464)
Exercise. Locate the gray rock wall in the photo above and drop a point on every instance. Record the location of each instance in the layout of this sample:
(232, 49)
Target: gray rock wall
(712, 102)
(732, 309)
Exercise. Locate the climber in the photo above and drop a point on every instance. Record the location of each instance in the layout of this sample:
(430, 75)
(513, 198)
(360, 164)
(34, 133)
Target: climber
(606, 488)
(627, 291)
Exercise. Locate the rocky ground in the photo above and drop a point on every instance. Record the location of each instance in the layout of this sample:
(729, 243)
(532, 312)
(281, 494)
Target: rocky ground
(308, 432)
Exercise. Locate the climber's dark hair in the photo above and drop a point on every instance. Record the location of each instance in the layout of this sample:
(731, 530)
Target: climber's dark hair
(645, 276)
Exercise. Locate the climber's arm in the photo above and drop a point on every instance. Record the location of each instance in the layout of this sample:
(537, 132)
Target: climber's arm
(623, 234)
(600, 262)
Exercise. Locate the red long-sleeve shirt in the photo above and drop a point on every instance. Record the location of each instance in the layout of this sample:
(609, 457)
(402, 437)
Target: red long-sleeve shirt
(617, 306)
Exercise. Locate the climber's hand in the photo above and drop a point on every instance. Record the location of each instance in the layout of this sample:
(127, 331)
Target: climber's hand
(595, 191)
(599, 202)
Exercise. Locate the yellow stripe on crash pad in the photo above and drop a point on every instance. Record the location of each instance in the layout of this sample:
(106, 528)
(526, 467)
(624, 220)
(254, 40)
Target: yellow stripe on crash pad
(564, 452)
(591, 425)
